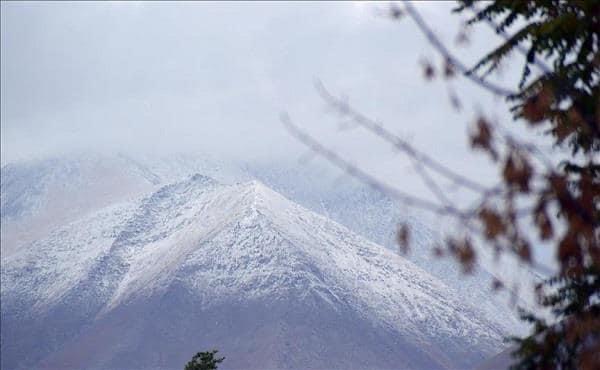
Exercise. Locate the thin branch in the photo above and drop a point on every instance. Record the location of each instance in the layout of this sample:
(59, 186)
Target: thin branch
(356, 172)
(461, 67)
(464, 217)
(398, 142)
(497, 90)
(430, 183)
(421, 160)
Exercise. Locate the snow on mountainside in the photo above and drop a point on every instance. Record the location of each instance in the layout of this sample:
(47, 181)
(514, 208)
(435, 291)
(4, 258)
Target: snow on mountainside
(147, 282)
(376, 216)
(38, 196)
(41, 195)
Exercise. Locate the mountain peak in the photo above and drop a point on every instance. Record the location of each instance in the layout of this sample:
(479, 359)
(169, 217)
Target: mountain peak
(261, 277)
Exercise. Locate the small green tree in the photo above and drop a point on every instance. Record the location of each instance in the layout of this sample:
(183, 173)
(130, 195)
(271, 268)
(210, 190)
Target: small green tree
(204, 361)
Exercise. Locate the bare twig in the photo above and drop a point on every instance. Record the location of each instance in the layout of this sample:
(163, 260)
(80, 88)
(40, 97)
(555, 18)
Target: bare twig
(464, 217)
(430, 183)
(397, 142)
(461, 67)
(363, 176)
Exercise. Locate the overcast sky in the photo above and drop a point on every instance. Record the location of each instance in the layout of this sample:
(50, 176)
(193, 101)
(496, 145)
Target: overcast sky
(214, 77)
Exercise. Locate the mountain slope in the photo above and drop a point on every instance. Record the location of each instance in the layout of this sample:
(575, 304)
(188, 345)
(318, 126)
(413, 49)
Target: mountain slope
(38, 196)
(145, 284)
(376, 216)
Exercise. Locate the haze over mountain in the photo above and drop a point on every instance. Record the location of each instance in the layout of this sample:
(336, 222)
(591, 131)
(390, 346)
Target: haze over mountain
(131, 262)
(146, 282)
(40, 194)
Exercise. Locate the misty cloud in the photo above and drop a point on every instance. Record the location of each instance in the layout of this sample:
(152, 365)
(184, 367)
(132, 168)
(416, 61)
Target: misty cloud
(214, 77)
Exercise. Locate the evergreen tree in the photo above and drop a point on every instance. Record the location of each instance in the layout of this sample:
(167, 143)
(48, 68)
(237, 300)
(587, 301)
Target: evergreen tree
(204, 361)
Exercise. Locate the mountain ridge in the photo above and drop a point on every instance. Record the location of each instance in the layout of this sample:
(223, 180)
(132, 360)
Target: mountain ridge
(227, 248)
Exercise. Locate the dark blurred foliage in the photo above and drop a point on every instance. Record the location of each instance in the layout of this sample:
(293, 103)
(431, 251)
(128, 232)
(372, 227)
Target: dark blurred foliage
(561, 39)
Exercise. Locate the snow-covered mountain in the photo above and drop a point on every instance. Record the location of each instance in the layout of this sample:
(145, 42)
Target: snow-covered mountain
(145, 283)
(376, 217)
(39, 195)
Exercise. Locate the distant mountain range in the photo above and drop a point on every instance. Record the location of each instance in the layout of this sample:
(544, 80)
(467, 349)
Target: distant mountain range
(116, 263)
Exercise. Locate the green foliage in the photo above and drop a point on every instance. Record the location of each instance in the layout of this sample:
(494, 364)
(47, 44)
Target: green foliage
(564, 35)
(204, 361)
(561, 41)
(571, 343)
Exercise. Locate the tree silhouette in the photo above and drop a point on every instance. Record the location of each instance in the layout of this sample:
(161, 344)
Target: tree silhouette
(204, 361)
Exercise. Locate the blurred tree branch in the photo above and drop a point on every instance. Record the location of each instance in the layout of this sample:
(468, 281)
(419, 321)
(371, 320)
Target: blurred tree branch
(561, 39)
